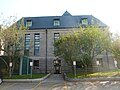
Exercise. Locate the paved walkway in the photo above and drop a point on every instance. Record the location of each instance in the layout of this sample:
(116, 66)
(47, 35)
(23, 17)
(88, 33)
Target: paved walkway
(55, 80)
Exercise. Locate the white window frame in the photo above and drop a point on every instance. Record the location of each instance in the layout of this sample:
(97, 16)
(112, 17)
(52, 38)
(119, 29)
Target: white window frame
(29, 23)
(56, 22)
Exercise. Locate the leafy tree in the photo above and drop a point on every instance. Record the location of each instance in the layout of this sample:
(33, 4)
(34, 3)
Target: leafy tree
(82, 45)
(11, 42)
(116, 49)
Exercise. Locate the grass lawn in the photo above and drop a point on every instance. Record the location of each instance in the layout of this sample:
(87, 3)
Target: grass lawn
(115, 73)
(25, 76)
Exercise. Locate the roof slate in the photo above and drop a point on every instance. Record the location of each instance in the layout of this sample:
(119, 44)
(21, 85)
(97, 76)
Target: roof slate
(66, 21)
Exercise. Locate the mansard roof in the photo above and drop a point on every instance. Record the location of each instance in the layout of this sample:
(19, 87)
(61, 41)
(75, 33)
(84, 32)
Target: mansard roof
(66, 21)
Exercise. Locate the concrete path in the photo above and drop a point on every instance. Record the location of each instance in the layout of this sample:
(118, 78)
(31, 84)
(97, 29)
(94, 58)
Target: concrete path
(54, 78)
(52, 82)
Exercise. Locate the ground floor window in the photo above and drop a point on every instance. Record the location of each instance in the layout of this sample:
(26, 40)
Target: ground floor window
(36, 64)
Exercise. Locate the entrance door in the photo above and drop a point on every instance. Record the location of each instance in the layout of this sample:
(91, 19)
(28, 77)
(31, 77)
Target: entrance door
(57, 66)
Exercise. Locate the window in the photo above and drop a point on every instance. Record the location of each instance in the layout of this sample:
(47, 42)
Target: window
(56, 22)
(84, 21)
(92, 22)
(36, 64)
(56, 36)
(79, 64)
(29, 23)
(27, 44)
(36, 44)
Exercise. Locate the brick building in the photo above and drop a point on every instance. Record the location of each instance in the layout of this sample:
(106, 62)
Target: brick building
(42, 33)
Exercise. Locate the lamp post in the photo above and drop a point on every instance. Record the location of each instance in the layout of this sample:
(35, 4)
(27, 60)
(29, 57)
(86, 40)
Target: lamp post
(10, 64)
(98, 64)
(74, 64)
(31, 65)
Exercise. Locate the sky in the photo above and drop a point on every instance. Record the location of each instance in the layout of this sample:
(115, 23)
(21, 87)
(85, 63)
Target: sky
(108, 11)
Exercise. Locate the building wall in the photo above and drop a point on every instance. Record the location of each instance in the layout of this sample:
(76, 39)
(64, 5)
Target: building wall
(107, 63)
(50, 49)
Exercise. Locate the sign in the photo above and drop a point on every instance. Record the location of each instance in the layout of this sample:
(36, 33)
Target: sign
(74, 62)
(10, 64)
(97, 62)
(115, 62)
(31, 64)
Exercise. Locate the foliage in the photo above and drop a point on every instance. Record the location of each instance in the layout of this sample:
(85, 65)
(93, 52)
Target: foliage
(82, 45)
(116, 48)
(11, 41)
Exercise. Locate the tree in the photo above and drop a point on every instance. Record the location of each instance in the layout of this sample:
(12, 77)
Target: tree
(116, 49)
(11, 41)
(82, 45)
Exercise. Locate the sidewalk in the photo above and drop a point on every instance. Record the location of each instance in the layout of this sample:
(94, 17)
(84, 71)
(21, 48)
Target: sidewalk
(55, 78)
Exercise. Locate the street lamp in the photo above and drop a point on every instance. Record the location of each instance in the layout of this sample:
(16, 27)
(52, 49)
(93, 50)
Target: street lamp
(31, 65)
(10, 64)
(74, 64)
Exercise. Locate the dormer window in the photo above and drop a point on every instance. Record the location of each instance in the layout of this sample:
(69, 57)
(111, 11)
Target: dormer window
(56, 22)
(84, 21)
(29, 23)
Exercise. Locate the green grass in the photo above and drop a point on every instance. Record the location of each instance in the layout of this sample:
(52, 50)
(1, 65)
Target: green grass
(115, 73)
(25, 76)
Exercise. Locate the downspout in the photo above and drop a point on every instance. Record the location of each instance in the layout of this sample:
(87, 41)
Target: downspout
(46, 53)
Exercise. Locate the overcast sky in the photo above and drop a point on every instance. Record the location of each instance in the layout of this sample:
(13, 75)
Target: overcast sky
(108, 11)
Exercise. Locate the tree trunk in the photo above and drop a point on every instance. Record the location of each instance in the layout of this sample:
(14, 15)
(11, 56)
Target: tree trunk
(107, 58)
(85, 70)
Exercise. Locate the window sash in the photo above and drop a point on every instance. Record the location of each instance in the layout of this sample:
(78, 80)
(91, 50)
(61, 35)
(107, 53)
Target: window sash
(56, 22)
(29, 23)
(36, 44)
